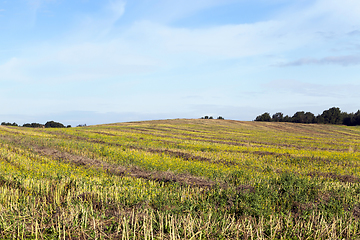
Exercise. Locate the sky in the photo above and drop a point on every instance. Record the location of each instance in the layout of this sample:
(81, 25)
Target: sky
(95, 62)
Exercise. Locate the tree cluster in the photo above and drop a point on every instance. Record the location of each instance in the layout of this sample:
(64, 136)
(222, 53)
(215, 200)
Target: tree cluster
(211, 117)
(9, 124)
(33, 125)
(331, 116)
(52, 124)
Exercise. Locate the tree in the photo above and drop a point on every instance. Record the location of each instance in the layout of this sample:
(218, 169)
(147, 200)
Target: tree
(299, 117)
(332, 116)
(320, 119)
(309, 117)
(278, 117)
(357, 118)
(351, 119)
(287, 119)
(220, 117)
(265, 117)
(348, 119)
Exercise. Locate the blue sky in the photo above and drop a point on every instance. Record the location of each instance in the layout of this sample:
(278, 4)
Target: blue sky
(93, 62)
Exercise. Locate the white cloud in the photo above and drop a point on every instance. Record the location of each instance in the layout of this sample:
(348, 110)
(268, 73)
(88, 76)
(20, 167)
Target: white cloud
(290, 31)
(229, 41)
(77, 62)
(147, 46)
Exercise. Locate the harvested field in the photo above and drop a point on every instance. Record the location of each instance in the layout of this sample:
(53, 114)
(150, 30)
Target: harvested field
(180, 179)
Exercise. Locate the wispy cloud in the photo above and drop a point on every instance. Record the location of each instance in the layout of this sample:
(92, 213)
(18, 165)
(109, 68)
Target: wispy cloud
(77, 62)
(175, 10)
(116, 9)
(354, 33)
(35, 6)
(99, 24)
(2, 10)
(337, 60)
(339, 91)
(221, 42)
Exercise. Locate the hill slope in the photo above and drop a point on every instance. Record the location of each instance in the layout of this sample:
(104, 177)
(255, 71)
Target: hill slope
(180, 179)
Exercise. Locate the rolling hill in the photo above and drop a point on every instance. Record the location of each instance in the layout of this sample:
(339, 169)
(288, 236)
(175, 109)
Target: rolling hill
(181, 179)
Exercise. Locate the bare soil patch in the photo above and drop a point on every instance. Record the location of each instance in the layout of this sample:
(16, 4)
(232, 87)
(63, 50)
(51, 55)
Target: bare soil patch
(105, 133)
(341, 178)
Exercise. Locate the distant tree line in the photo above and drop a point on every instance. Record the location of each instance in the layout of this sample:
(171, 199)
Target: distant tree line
(211, 117)
(331, 116)
(49, 124)
(33, 125)
(9, 124)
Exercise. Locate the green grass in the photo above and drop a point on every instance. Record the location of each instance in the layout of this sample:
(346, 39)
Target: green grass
(180, 179)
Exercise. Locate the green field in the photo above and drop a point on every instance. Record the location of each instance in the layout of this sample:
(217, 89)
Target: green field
(181, 179)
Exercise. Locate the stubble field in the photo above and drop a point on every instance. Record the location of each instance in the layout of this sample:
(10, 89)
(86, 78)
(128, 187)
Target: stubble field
(181, 179)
